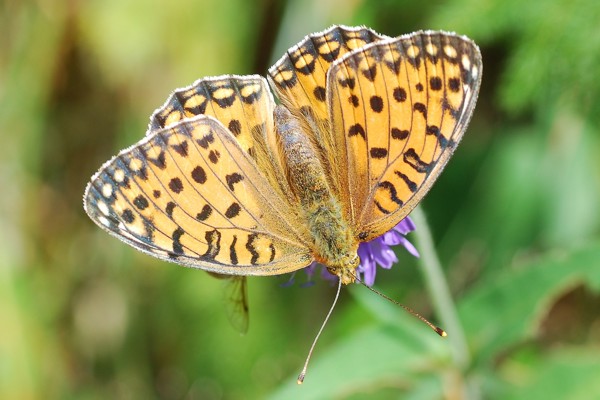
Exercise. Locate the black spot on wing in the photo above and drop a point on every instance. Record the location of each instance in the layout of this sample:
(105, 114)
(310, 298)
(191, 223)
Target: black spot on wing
(213, 239)
(399, 134)
(412, 158)
(159, 161)
(435, 131)
(213, 156)
(176, 236)
(319, 93)
(393, 194)
(176, 185)
(149, 228)
(435, 83)
(232, 179)
(199, 175)
(232, 251)
(142, 173)
(125, 183)
(357, 129)
(141, 202)
(233, 210)
(235, 127)
(128, 216)
(467, 76)
(272, 249)
(454, 84)
(376, 103)
(204, 213)
(412, 186)
(446, 106)
(169, 209)
(206, 140)
(347, 82)
(378, 152)
(399, 94)
(252, 249)
(420, 107)
(181, 148)
(370, 73)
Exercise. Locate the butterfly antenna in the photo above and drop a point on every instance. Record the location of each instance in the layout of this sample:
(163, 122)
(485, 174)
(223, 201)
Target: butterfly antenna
(303, 373)
(437, 329)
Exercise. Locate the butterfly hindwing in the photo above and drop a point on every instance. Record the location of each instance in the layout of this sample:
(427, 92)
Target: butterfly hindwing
(191, 194)
(398, 123)
(236, 302)
(235, 295)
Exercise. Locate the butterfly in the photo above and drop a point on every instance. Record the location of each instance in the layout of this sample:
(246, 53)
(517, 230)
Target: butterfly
(229, 182)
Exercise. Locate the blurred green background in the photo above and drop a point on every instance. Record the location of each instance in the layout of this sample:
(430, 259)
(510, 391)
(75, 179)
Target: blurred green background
(514, 217)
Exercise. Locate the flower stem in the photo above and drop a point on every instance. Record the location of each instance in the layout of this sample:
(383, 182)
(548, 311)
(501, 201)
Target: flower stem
(439, 291)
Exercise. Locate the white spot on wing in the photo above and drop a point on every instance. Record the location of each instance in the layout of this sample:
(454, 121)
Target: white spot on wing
(107, 190)
(103, 208)
(450, 51)
(466, 62)
(119, 175)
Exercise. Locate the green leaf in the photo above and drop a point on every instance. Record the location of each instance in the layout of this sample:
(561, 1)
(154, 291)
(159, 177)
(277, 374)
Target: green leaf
(506, 310)
(570, 373)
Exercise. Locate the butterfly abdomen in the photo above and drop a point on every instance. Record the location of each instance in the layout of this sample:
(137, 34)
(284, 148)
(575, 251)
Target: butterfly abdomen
(333, 242)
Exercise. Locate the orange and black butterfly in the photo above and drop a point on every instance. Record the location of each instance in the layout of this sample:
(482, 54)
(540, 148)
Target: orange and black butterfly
(229, 182)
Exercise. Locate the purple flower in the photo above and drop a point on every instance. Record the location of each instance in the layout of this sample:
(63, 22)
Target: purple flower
(377, 251)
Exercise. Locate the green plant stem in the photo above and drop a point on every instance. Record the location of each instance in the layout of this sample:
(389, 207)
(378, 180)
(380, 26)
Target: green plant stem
(439, 291)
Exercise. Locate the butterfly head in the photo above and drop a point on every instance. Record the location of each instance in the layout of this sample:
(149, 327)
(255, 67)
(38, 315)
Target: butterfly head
(345, 268)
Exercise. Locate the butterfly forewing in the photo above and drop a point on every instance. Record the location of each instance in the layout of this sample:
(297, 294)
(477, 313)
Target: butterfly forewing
(300, 76)
(243, 104)
(398, 109)
(299, 79)
(191, 194)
